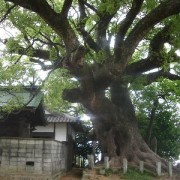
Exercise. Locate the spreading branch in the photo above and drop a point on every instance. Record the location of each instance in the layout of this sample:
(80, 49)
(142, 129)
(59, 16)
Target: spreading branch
(37, 53)
(153, 77)
(164, 10)
(102, 27)
(156, 58)
(127, 22)
(42, 64)
(81, 27)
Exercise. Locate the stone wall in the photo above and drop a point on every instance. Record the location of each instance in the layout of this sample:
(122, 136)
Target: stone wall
(31, 156)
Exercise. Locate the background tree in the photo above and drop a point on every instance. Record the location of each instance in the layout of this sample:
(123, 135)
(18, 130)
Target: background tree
(158, 117)
(106, 46)
(84, 144)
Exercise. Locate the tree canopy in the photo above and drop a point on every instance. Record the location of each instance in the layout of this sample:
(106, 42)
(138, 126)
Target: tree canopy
(98, 50)
(158, 117)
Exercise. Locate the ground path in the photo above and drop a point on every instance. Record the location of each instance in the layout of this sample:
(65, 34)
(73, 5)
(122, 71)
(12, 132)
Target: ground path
(77, 174)
(74, 174)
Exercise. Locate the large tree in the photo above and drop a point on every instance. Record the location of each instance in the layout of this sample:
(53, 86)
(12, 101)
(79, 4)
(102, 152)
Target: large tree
(158, 117)
(107, 45)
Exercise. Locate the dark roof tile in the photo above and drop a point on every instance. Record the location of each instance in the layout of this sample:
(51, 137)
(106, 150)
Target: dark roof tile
(59, 118)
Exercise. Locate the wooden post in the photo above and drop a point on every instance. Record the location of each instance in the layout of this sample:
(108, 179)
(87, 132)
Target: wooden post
(106, 162)
(91, 161)
(125, 165)
(170, 169)
(79, 161)
(94, 149)
(141, 166)
(158, 168)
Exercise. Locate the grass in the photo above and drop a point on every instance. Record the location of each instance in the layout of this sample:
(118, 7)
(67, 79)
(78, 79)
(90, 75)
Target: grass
(134, 174)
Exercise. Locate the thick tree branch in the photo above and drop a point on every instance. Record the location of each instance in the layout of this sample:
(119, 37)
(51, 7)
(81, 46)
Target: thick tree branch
(156, 58)
(66, 6)
(141, 66)
(157, 43)
(86, 36)
(127, 22)
(91, 7)
(60, 25)
(37, 53)
(105, 18)
(148, 64)
(153, 77)
(163, 11)
(72, 95)
(43, 66)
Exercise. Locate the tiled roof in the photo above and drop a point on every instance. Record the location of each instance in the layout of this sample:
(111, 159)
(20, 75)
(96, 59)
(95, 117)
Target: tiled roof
(63, 118)
(60, 118)
(25, 98)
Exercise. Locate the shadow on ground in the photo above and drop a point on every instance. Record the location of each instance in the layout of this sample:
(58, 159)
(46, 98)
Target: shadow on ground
(74, 174)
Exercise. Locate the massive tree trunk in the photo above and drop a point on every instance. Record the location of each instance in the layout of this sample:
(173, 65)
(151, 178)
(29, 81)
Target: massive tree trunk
(116, 127)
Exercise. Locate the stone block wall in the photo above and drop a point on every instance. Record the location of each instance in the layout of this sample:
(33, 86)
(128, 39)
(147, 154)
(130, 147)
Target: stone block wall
(31, 156)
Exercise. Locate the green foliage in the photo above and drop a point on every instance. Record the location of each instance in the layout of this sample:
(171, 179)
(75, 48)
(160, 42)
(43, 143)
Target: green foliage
(132, 174)
(84, 145)
(137, 175)
(166, 122)
(10, 100)
(53, 89)
(13, 104)
(149, 5)
(108, 171)
(167, 131)
(56, 5)
(15, 74)
(109, 6)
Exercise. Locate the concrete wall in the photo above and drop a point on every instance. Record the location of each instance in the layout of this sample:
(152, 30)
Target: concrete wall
(31, 156)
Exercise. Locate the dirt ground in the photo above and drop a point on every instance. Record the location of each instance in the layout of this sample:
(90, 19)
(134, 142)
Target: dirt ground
(76, 174)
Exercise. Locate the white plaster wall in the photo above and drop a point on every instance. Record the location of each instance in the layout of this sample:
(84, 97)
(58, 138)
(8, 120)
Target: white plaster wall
(61, 132)
(47, 128)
